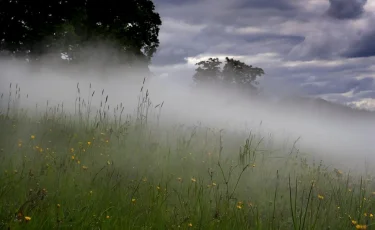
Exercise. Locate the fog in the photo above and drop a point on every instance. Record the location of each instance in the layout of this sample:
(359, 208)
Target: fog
(347, 141)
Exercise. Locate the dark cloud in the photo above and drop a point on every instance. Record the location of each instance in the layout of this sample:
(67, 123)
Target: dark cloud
(265, 37)
(364, 47)
(175, 2)
(262, 4)
(173, 55)
(346, 9)
(224, 12)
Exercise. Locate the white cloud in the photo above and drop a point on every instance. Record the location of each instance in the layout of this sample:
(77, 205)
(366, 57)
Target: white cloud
(317, 63)
(364, 103)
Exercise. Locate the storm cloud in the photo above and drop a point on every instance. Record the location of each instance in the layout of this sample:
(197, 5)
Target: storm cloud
(363, 47)
(346, 9)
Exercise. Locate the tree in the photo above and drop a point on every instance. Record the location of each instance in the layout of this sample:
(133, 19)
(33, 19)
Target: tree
(241, 74)
(234, 73)
(29, 29)
(207, 71)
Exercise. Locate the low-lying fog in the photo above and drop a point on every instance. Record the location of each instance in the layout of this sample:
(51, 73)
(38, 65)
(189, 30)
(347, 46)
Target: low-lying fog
(349, 141)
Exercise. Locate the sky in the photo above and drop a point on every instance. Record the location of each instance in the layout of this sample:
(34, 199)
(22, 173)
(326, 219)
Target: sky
(322, 48)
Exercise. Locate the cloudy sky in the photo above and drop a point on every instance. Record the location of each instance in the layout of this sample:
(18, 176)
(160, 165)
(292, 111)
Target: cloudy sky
(324, 48)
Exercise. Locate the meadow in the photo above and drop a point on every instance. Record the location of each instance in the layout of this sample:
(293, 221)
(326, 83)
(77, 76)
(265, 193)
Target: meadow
(106, 169)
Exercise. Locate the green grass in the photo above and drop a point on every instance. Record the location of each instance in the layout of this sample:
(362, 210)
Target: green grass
(73, 171)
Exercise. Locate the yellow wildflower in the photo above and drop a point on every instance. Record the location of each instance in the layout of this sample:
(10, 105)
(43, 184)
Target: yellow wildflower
(190, 225)
(359, 226)
(73, 157)
(338, 172)
(27, 218)
(320, 197)
(193, 179)
(239, 204)
(107, 217)
(89, 143)
(58, 205)
(84, 167)
(354, 222)
(78, 162)
(371, 215)
(32, 137)
(134, 200)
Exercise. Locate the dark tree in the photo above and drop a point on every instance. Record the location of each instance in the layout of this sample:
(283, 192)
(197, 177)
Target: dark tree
(241, 74)
(29, 29)
(235, 74)
(207, 71)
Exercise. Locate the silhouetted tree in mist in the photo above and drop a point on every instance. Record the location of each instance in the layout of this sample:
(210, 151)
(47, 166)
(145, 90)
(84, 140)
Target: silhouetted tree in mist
(234, 74)
(32, 28)
(241, 74)
(208, 71)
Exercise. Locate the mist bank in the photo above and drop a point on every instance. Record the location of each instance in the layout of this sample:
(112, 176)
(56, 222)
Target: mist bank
(342, 135)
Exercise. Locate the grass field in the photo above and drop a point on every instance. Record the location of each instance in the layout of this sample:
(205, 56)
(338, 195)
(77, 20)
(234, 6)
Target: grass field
(110, 170)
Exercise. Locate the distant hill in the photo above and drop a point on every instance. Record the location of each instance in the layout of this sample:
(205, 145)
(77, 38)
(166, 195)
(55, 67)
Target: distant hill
(321, 107)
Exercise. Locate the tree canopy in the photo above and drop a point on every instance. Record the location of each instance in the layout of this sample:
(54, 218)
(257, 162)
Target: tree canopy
(234, 73)
(207, 71)
(32, 28)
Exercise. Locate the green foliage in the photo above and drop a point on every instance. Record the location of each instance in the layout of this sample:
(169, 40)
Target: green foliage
(234, 72)
(32, 28)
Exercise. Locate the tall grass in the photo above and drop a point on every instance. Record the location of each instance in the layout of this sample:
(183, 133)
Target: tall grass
(108, 170)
